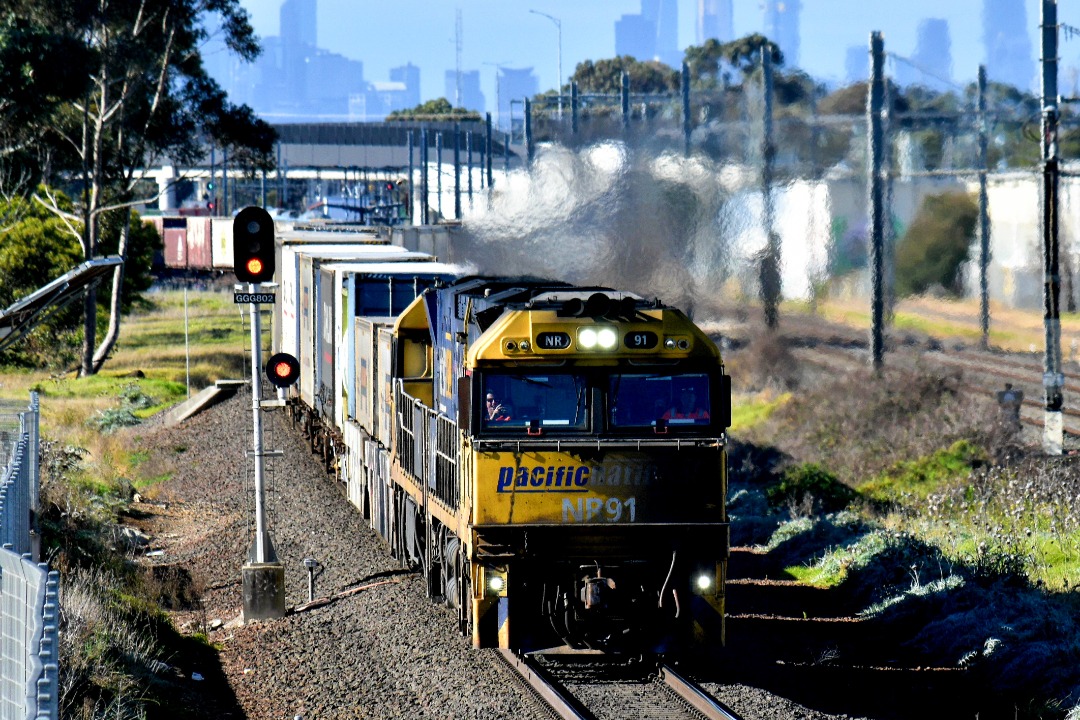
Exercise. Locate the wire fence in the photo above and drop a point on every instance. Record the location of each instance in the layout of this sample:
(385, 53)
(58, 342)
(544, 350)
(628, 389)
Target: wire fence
(29, 592)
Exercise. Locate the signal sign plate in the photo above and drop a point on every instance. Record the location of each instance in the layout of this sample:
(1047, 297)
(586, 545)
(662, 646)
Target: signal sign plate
(241, 298)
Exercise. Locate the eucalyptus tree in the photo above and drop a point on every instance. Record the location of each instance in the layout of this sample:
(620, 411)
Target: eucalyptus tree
(33, 86)
(146, 99)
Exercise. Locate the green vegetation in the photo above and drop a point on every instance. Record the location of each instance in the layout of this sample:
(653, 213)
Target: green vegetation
(748, 412)
(917, 508)
(935, 246)
(434, 110)
(605, 76)
(132, 91)
(918, 478)
(117, 646)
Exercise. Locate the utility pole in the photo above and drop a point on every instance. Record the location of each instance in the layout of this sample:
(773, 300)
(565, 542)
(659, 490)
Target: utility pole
(685, 87)
(875, 195)
(984, 217)
(457, 171)
(625, 100)
(770, 262)
(423, 176)
(487, 147)
(1053, 380)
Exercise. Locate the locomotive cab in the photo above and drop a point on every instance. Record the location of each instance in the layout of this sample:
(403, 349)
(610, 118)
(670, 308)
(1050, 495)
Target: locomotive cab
(597, 442)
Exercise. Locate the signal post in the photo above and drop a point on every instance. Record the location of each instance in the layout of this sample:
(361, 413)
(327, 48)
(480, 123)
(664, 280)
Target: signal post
(253, 260)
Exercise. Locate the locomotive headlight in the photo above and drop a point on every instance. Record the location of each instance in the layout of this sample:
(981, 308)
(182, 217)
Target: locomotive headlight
(607, 338)
(524, 345)
(497, 583)
(602, 338)
(587, 338)
(669, 343)
(703, 582)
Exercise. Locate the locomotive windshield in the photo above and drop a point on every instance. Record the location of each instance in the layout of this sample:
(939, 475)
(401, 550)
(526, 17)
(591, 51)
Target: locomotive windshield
(646, 399)
(552, 401)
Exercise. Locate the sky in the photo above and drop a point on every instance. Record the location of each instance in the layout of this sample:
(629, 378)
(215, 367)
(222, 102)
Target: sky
(391, 33)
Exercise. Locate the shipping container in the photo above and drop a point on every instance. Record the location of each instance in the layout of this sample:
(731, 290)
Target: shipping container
(384, 369)
(378, 290)
(198, 243)
(366, 331)
(174, 237)
(221, 243)
(296, 293)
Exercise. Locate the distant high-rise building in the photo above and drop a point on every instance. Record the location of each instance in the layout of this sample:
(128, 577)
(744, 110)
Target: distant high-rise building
(931, 63)
(715, 19)
(652, 34)
(1008, 48)
(408, 74)
(514, 86)
(471, 96)
(782, 27)
(331, 78)
(857, 64)
(298, 22)
(635, 35)
(297, 48)
(664, 15)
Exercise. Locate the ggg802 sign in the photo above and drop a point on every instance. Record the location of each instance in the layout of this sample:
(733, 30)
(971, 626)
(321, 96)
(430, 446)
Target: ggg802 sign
(241, 298)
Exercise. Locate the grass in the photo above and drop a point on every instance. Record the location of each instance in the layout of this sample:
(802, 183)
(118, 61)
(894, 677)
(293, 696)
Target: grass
(965, 540)
(751, 410)
(116, 641)
(1011, 329)
(151, 368)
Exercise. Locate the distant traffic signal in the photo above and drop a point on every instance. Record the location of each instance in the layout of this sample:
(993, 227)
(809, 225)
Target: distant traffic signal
(253, 245)
(283, 369)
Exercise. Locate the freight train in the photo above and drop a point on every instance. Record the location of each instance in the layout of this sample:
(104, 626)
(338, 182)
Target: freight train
(551, 458)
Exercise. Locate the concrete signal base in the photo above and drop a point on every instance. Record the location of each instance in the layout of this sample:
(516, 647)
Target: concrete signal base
(264, 591)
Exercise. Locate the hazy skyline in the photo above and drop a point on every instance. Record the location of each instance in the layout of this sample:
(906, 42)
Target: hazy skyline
(385, 35)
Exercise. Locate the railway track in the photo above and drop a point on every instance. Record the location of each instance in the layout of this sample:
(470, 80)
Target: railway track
(810, 645)
(592, 689)
(981, 372)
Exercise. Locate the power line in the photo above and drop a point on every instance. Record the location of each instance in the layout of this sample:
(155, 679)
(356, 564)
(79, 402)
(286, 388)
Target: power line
(924, 71)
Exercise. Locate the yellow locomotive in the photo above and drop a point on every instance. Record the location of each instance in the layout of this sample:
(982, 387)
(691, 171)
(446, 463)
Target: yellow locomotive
(552, 457)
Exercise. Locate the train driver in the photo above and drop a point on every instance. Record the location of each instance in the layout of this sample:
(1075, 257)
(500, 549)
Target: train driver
(495, 410)
(687, 406)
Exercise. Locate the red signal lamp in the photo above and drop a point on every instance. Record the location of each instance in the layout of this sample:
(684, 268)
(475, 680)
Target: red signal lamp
(283, 369)
(255, 266)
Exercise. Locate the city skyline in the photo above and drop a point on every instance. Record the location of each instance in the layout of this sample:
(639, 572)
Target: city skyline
(517, 39)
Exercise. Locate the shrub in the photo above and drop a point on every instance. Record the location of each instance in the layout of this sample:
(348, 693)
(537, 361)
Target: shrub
(935, 246)
(810, 487)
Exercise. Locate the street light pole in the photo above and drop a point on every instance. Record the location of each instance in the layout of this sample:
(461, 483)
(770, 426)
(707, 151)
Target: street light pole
(558, 27)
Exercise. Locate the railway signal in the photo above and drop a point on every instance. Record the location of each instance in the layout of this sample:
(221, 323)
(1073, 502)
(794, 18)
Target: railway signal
(253, 245)
(283, 369)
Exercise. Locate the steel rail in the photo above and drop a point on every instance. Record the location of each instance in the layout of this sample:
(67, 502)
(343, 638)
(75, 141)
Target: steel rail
(695, 696)
(563, 705)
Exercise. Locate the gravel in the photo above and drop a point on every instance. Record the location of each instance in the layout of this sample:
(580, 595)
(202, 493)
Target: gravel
(384, 651)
